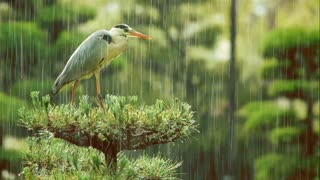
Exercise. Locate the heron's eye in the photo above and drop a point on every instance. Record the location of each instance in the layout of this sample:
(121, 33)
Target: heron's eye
(122, 26)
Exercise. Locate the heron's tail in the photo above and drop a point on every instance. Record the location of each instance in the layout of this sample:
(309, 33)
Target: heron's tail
(57, 86)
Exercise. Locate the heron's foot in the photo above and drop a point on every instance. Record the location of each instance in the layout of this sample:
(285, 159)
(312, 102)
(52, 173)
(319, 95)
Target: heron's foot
(100, 100)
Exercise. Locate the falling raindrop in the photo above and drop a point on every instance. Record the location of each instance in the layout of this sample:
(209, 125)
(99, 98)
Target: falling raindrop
(276, 77)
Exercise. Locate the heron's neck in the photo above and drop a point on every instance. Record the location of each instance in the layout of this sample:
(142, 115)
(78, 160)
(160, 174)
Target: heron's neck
(117, 35)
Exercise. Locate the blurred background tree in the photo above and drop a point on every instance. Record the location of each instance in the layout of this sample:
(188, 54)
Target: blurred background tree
(188, 58)
(286, 123)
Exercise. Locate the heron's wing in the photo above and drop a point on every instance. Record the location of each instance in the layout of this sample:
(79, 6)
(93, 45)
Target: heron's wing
(85, 60)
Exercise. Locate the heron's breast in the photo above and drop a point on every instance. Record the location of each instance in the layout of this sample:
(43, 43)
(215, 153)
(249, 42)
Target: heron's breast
(114, 50)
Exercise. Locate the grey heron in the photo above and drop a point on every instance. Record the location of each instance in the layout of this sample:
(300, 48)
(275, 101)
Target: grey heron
(94, 54)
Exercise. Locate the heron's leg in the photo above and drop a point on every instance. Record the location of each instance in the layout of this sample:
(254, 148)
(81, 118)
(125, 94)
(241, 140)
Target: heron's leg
(97, 75)
(75, 85)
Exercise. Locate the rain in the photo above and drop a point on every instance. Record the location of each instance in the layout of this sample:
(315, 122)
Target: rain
(224, 90)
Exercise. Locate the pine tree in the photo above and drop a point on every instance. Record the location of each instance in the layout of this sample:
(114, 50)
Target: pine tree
(287, 120)
(91, 139)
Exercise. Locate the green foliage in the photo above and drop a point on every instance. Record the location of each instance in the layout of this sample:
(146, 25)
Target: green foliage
(316, 109)
(285, 135)
(285, 70)
(9, 106)
(297, 53)
(23, 10)
(161, 60)
(10, 155)
(66, 15)
(275, 69)
(123, 120)
(205, 35)
(276, 166)
(144, 14)
(291, 72)
(23, 37)
(295, 88)
(155, 168)
(317, 74)
(123, 124)
(5, 11)
(22, 89)
(263, 115)
(24, 45)
(53, 158)
(281, 40)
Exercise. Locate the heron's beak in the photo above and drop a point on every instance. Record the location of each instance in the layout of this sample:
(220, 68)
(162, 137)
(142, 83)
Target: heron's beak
(140, 35)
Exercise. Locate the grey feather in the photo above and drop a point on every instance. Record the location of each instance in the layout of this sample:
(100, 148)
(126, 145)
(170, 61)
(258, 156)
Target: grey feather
(57, 86)
(85, 60)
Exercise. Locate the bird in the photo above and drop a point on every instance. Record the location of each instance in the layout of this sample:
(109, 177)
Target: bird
(94, 54)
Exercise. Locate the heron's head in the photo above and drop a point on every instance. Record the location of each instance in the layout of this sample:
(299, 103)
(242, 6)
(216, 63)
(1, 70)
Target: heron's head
(125, 30)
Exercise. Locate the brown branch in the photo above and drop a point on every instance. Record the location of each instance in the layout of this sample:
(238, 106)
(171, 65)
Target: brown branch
(72, 139)
(144, 146)
(111, 145)
(83, 139)
(109, 149)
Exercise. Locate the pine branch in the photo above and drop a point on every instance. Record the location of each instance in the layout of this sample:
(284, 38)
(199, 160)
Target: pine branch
(124, 125)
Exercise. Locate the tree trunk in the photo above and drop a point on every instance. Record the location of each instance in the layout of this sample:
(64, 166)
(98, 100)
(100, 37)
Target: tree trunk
(232, 148)
(309, 141)
(110, 154)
